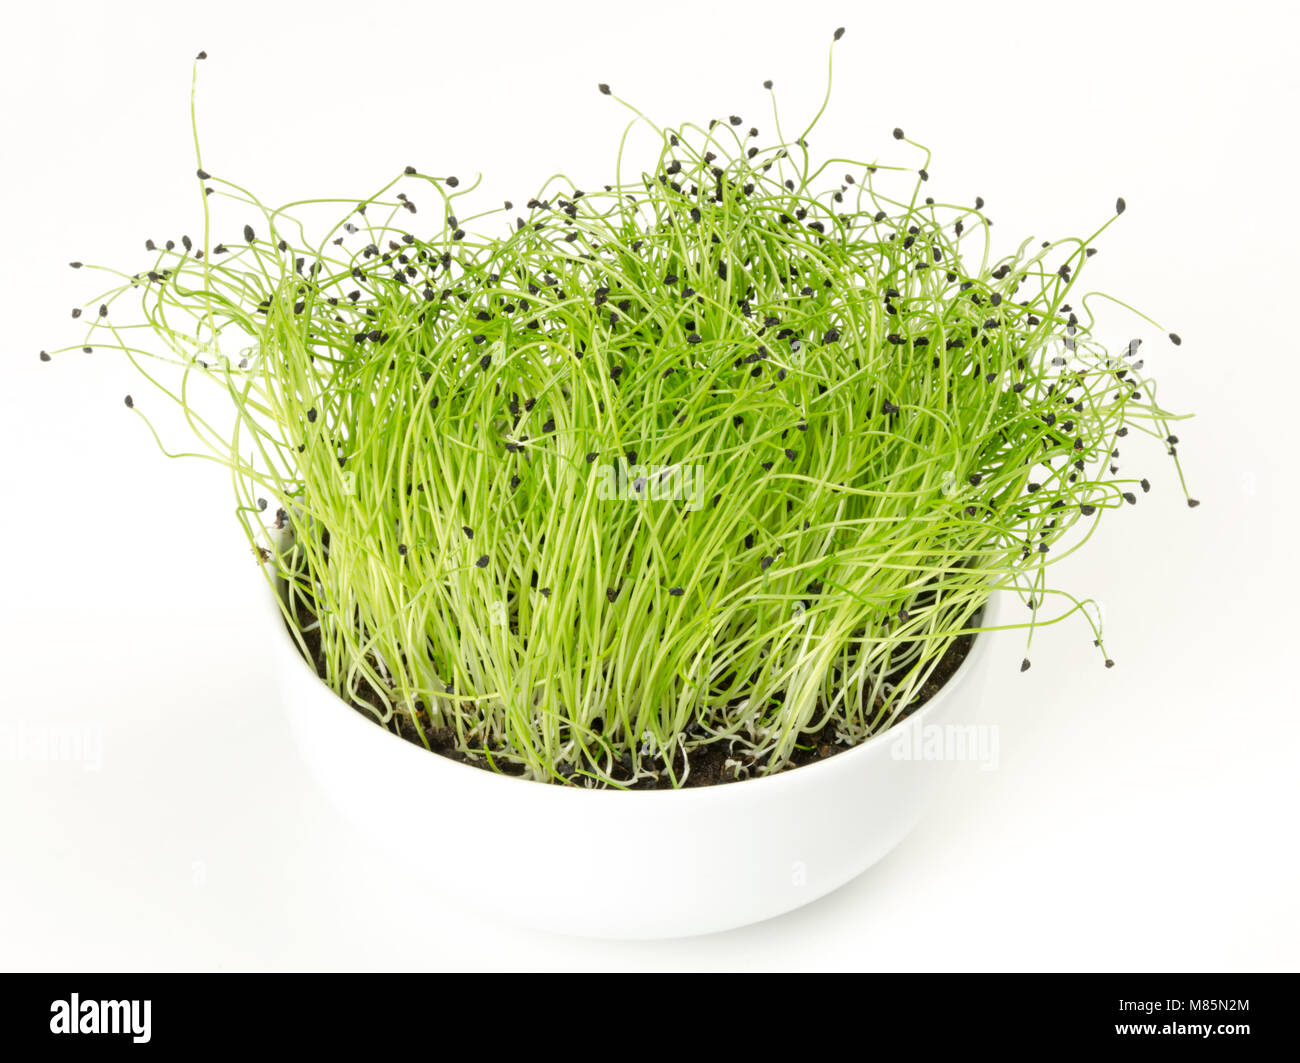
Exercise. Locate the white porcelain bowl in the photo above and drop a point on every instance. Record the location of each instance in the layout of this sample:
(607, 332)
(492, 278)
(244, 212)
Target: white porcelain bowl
(618, 864)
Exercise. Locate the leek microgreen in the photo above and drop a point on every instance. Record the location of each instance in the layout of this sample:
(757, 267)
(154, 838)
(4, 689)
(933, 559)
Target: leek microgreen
(720, 456)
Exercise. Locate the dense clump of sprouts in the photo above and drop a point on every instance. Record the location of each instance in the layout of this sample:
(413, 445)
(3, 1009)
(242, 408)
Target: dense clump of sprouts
(725, 454)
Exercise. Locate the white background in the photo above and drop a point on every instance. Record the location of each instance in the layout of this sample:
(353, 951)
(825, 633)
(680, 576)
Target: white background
(1141, 818)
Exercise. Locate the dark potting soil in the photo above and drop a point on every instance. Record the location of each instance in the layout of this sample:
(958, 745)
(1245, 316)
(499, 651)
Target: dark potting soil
(708, 764)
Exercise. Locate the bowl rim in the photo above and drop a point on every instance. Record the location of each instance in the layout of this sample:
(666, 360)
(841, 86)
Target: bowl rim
(741, 789)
